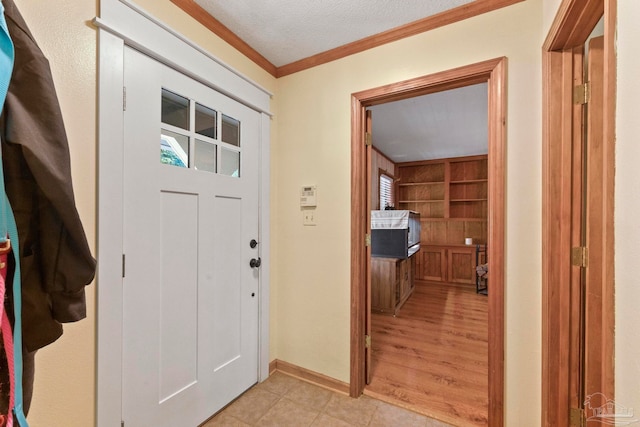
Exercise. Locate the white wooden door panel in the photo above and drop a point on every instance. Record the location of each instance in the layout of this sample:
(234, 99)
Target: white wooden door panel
(178, 293)
(227, 323)
(190, 298)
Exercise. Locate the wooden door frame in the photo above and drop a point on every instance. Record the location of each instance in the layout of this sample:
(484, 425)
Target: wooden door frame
(494, 72)
(562, 69)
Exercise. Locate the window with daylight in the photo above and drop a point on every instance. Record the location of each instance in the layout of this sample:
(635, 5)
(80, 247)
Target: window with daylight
(386, 190)
(197, 137)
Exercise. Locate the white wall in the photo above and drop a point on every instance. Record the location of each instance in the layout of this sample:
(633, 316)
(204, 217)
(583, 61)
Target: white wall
(313, 147)
(549, 10)
(627, 206)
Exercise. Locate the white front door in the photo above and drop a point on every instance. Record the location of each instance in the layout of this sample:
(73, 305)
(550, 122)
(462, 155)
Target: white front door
(190, 297)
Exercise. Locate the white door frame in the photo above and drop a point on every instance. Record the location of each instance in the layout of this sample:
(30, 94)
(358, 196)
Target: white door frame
(123, 23)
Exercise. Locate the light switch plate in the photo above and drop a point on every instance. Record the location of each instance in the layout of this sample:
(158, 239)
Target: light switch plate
(309, 217)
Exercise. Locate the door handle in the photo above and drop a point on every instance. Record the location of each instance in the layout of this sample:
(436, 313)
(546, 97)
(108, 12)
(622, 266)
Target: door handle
(255, 263)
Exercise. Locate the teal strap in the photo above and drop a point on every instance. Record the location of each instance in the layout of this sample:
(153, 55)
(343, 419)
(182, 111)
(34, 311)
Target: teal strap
(17, 310)
(6, 67)
(8, 226)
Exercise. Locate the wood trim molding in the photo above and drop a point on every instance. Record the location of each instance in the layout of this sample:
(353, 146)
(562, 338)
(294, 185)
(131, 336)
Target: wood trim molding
(310, 376)
(562, 62)
(432, 83)
(450, 159)
(359, 267)
(573, 24)
(383, 155)
(494, 72)
(194, 10)
(447, 17)
(496, 236)
(608, 187)
(556, 239)
(451, 16)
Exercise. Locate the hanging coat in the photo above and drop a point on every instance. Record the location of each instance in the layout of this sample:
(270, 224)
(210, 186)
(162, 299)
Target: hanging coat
(55, 258)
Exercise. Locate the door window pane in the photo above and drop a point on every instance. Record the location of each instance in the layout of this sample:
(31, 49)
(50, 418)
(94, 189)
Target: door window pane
(206, 121)
(230, 163)
(205, 156)
(174, 149)
(175, 109)
(230, 130)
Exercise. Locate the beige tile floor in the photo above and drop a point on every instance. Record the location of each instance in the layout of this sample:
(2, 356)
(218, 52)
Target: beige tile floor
(284, 401)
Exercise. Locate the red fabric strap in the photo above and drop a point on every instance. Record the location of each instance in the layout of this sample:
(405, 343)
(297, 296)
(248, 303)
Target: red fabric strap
(7, 337)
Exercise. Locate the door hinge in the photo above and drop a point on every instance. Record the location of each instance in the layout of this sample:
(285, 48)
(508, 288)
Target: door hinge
(580, 256)
(576, 417)
(124, 98)
(367, 139)
(123, 264)
(367, 341)
(367, 239)
(582, 93)
(121, 423)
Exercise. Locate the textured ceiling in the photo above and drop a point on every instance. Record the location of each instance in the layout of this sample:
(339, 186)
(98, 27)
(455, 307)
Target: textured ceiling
(284, 31)
(444, 124)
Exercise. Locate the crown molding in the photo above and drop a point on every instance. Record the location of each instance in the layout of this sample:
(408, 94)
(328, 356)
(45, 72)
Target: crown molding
(447, 17)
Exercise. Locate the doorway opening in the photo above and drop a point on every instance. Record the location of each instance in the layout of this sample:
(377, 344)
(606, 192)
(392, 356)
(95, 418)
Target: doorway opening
(492, 72)
(428, 302)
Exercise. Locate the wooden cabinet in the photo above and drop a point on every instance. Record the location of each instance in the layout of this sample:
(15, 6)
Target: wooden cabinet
(391, 283)
(453, 263)
(461, 265)
(451, 197)
(431, 263)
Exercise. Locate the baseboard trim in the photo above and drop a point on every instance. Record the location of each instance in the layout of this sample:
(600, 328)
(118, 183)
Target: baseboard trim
(309, 376)
(273, 365)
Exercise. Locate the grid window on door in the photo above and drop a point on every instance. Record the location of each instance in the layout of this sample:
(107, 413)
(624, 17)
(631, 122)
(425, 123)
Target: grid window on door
(196, 136)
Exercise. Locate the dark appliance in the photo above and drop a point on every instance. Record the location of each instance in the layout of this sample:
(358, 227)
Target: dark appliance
(395, 233)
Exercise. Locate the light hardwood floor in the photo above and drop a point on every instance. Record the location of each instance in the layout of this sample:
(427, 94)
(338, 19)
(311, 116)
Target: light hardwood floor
(432, 357)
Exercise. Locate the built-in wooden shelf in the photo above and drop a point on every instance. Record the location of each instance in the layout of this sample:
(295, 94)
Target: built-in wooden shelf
(408, 184)
(451, 196)
(427, 220)
(468, 181)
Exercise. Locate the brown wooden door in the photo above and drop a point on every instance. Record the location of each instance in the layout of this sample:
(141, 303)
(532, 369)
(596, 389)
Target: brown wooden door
(597, 339)
(591, 353)
(367, 323)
